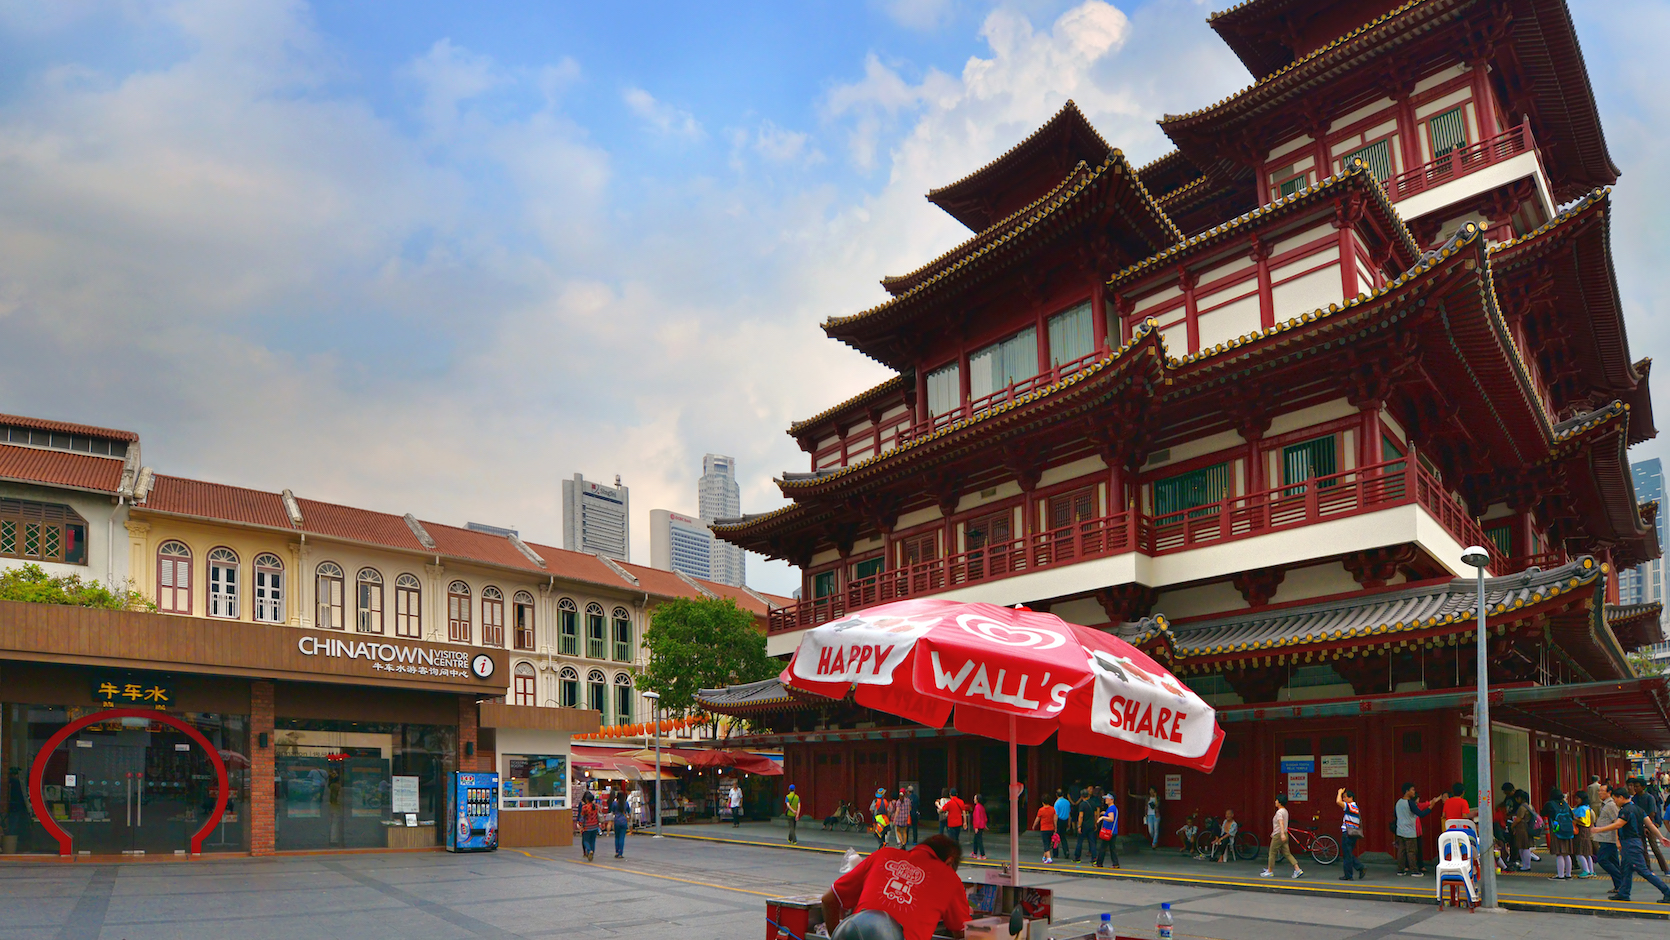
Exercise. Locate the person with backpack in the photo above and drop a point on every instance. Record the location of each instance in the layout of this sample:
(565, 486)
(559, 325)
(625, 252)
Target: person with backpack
(1562, 833)
(589, 824)
(1519, 830)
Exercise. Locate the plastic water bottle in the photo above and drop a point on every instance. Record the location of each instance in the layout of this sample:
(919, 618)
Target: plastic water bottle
(1104, 930)
(1162, 926)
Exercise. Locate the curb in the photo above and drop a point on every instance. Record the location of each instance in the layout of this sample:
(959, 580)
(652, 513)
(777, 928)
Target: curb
(1268, 886)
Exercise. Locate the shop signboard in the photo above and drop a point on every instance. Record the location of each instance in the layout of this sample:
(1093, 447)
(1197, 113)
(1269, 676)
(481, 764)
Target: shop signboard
(126, 691)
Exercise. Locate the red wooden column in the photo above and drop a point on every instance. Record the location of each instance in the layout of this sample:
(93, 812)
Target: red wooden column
(1186, 281)
(1259, 250)
(1098, 314)
(1348, 210)
(921, 397)
(262, 816)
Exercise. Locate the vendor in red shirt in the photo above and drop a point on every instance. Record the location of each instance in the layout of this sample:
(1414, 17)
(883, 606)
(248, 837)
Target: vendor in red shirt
(918, 889)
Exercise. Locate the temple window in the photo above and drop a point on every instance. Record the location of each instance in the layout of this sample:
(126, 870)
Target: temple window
(1071, 337)
(1292, 184)
(868, 568)
(1301, 462)
(1447, 132)
(988, 530)
(1376, 156)
(1192, 490)
(1002, 364)
(1069, 508)
(921, 549)
(823, 584)
(944, 390)
(1501, 536)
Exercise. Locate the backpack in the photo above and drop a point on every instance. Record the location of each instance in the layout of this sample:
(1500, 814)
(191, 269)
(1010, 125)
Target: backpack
(1536, 825)
(1563, 825)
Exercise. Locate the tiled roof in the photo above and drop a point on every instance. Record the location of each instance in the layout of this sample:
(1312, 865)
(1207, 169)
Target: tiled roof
(477, 546)
(1064, 126)
(67, 427)
(576, 566)
(893, 384)
(1397, 611)
(1636, 625)
(60, 468)
(656, 581)
(764, 695)
(216, 501)
(359, 525)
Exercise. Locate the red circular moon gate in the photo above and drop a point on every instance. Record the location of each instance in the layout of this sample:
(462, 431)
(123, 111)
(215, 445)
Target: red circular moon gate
(37, 773)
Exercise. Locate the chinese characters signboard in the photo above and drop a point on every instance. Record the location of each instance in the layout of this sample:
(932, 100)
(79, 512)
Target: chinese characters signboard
(128, 692)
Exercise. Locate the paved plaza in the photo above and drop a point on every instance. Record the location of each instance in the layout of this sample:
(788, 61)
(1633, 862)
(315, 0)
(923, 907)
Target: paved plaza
(677, 887)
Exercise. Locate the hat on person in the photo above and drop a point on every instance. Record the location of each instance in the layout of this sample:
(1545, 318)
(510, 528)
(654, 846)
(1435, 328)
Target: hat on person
(881, 791)
(791, 786)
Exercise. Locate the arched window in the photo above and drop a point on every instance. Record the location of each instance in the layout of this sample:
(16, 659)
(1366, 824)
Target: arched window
(269, 588)
(623, 698)
(458, 612)
(597, 697)
(623, 635)
(492, 617)
(408, 606)
(568, 622)
(526, 679)
(522, 619)
(368, 601)
(174, 578)
(328, 596)
(223, 582)
(594, 632)
(568, 687)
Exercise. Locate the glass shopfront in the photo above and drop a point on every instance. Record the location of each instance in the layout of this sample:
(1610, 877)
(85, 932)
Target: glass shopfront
(535, 781)
(124, 785)
(357, 784)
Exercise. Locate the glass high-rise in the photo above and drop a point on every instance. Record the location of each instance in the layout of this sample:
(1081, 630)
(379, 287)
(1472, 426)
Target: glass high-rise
(719, 497)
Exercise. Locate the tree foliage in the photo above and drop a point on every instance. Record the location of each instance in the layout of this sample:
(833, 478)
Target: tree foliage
(701, 644)
(31, 583)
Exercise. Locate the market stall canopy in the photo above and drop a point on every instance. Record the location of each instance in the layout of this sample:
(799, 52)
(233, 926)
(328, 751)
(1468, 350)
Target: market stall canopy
(741, 760)
(1009, 674)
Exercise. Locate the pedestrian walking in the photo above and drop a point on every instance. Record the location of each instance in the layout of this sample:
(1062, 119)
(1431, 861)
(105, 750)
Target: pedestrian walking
(791, 807)
(1063, 818)
(1044, 822)
(955, 813)
(901, 818)
(1605, 836)
(1151, 815)
(1278, 842)
(1107, 833)
(1407, 815)
(915, 817)
(1648, 802)
(979, 819)
(589, 825)
(1634, 826)
(622, 820)
(1583, 819)
(1351, 829)
(736, 806)
(939, 807)
(1085, 815)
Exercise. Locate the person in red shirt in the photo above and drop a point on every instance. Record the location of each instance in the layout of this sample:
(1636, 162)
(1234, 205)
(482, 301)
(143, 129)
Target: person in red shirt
(1456, 806)
(919, 889)
(1045, 824)
(953, 812)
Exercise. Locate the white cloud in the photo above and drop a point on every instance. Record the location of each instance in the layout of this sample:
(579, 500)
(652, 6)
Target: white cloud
(780, 145)
(925, 15)
(662, 117)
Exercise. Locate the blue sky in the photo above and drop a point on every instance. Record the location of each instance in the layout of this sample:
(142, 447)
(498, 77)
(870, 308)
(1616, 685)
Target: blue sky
(434, 257)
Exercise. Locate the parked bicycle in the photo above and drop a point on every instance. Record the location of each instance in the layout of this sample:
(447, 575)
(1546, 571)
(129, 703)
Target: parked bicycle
(1323, 848)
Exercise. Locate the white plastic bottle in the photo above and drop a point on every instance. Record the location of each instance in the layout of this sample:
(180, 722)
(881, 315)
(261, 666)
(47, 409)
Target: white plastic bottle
(1162, 926)
(1104, 930)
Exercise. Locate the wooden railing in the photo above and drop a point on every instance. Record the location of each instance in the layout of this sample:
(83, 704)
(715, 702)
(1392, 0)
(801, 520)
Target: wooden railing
(1462, 161)
(1319, 499)
(1015, 390)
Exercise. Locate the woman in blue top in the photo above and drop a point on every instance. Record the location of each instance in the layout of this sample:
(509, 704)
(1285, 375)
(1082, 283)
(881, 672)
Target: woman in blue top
(1351, 829)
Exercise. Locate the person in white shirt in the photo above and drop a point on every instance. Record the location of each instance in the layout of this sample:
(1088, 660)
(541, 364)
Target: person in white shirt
(736, 806)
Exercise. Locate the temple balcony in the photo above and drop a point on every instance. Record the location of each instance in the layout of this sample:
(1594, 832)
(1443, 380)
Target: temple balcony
(1394, 503)
(1469, 177)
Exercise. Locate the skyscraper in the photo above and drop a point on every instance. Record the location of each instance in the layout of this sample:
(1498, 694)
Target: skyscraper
(595, 517)
(680, 543)
(1645, 583)
(719, 497)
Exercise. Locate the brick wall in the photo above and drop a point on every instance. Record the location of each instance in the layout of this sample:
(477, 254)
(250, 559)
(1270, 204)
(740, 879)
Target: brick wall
(467, 712)
(260, 810)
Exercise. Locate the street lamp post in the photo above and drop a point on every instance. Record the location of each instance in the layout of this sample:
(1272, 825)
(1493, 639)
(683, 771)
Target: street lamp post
(1479, 558)
(655, 712)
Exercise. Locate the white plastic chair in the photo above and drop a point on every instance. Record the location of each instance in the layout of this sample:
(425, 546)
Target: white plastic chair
(1456, 855)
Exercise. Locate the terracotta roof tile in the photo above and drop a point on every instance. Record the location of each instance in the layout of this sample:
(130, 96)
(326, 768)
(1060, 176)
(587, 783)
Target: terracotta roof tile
(60, 468)
(656, 581)
(88, 430)
(360, 525)
(477, 546)
(216, 501)
(743, 599)
(576, 566)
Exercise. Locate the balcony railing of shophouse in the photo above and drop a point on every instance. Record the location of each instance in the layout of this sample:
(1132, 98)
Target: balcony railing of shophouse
(1462, 161)
(1319, 499)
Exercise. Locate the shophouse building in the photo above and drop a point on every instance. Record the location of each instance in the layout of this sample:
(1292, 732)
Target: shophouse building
(1245, 406)
(320, 666)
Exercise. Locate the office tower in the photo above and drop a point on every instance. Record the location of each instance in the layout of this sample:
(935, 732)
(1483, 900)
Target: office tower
(1644, 583)
(595, 517)
(719, 497)
(680, 543)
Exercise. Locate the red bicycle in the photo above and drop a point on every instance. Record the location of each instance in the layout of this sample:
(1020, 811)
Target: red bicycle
(1323, 848)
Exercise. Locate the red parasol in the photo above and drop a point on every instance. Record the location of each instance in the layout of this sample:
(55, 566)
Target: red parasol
(1011, 674)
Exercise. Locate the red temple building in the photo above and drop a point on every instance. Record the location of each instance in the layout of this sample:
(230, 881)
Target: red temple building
(1245, 406)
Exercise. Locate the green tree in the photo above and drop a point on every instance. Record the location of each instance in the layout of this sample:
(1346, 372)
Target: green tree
(701, 644)
(31, 583)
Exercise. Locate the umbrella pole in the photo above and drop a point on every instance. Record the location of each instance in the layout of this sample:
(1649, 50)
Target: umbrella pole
(1014, 810)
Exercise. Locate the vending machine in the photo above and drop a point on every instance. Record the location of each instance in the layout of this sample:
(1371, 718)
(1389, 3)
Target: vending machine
(473, 812)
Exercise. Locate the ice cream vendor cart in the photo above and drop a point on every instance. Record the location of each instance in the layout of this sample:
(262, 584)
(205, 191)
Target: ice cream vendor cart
(472, 812)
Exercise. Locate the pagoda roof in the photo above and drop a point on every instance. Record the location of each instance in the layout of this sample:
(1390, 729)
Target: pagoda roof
(1017, 177)
(756, 698)
(1636, 625)
(1109, 191)
(1593, 451)
(1356, 177)
(1568, 261)
(1544, 52)
(1265, 34)
(897, 383)
(1421, 610)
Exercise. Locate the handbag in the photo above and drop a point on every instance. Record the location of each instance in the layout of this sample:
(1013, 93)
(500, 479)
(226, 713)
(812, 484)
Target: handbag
(1105, 834)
